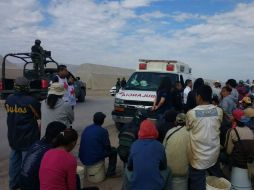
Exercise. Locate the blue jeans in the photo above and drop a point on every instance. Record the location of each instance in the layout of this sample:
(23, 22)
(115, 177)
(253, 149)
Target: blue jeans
(15, 163)
(197, 178)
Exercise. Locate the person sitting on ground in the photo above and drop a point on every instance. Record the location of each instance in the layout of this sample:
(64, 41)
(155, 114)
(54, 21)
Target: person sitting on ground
(129, 133)
(31, 164)
(165, 123)
(176, 143)
(95, 145)
(58, 166)
(55, 109)
(147, 162)
(227, 102)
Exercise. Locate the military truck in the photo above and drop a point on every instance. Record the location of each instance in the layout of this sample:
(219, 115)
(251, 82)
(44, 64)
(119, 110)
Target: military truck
(39, 80)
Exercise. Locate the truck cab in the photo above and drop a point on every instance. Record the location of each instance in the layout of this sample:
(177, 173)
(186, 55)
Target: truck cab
(141, 87)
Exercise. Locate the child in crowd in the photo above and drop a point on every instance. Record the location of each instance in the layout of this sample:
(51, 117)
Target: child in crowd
(71, 91)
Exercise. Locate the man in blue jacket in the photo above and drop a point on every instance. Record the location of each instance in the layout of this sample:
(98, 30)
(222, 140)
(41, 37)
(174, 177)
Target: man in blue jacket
(95, 145)
(23, 130)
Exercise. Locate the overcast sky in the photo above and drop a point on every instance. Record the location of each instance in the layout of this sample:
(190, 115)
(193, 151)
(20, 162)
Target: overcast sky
(215, 37)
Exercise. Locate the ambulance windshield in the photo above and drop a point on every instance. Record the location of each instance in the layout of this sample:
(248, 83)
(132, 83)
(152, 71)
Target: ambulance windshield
(148, 81)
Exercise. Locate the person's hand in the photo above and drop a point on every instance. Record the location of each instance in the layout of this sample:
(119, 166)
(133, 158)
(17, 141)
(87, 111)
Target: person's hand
(154, 108)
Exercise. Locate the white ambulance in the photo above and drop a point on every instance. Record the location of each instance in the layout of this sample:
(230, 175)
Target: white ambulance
(141, 87)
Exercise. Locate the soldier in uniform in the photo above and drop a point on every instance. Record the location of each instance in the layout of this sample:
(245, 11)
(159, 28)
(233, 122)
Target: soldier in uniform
(38, 56)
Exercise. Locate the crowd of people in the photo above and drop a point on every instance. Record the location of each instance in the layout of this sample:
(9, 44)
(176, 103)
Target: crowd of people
(204, 130)
(199, 130)
(42, 163)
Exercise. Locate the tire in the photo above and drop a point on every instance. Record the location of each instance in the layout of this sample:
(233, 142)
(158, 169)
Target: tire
(82, 96)
(119, 126)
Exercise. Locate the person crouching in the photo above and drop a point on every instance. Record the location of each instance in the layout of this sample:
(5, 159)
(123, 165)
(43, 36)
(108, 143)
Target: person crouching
(147, 164)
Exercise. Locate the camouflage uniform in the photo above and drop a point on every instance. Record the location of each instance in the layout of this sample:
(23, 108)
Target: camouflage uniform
(38, 60)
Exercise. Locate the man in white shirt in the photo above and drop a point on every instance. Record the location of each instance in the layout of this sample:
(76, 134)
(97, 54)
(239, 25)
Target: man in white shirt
(188, 87)
(203, 123)
(61, 77)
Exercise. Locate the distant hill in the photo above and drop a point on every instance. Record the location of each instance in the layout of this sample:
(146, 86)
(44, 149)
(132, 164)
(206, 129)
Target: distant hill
(11, 70)
(101, 77)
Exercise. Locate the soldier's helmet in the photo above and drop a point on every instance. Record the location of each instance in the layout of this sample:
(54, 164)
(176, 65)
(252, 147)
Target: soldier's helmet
(37, 42)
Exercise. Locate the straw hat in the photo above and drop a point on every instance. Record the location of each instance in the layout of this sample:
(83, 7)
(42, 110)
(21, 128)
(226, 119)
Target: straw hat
(56, 89)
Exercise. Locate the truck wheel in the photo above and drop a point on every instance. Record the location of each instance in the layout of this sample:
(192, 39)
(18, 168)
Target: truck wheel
(82, 96)
(119, 126)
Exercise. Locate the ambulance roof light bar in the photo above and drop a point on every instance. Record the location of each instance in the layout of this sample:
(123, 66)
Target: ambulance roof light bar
(155, 60)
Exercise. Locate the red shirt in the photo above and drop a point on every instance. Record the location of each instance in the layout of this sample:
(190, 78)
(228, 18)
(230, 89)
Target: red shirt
(58, 171)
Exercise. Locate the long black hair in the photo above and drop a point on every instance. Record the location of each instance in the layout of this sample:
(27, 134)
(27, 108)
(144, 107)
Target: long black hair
(66, 137)
(52, 100)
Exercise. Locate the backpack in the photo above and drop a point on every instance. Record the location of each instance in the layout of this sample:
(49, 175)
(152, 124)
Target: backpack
(126, 138)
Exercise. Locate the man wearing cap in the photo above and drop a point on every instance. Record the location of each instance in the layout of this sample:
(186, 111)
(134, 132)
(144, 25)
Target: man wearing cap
(31, 164)
(216, 89)
(55, 108)
(176, 143)
(95, 145)
(23, 130)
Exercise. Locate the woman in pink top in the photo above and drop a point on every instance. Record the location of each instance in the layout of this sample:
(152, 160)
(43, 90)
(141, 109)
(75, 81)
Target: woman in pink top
(58, 166)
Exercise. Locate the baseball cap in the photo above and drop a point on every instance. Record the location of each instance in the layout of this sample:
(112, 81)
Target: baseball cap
(57, 89)
(246, 100)
(181, 118)
(21, 81)
(239, 115)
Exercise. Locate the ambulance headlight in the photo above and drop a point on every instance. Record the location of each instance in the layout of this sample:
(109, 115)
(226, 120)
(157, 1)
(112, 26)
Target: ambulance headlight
(119, 101)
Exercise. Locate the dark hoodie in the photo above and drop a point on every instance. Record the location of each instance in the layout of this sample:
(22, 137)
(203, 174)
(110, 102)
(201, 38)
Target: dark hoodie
(146, 159)
(191, 99)
(22, 114)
